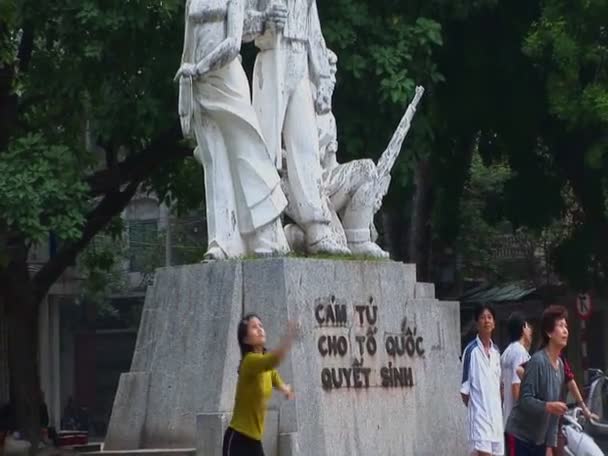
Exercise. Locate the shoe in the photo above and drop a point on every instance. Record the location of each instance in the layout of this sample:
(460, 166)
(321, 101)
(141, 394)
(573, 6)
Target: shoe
(370, 249)
(214, 254)
(327, 246)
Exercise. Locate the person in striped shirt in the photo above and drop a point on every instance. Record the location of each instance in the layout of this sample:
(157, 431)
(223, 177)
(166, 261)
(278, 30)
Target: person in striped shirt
(480, 388)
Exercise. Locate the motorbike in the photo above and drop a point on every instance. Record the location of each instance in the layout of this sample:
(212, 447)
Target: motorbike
(597, 402)
(578, 442)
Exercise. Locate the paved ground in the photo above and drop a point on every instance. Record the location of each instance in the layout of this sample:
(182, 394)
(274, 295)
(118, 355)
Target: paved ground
(603, 444)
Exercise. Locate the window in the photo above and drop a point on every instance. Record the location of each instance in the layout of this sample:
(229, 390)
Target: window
(143, 243)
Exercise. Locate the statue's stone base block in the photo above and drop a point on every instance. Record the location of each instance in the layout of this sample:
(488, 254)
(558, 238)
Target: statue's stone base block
(376, 370)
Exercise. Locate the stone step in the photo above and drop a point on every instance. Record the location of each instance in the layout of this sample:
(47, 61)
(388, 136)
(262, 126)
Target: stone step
(88, 448)
(144, 452)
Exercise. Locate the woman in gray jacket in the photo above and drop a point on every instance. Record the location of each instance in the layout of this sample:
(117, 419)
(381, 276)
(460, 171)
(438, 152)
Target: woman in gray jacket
(534, 419)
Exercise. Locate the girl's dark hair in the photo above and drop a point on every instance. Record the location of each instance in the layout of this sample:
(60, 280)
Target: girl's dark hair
(481, 307)
(551, 316)
(241, 335)
(516, 324)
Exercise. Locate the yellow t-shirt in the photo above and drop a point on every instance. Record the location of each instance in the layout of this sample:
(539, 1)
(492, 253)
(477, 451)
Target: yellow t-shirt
(257, 377)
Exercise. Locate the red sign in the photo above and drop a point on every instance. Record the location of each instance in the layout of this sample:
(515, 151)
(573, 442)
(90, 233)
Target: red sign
(583, 306)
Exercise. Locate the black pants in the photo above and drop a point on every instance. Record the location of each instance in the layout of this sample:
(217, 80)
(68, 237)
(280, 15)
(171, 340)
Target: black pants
(237, 444)
(528, 449)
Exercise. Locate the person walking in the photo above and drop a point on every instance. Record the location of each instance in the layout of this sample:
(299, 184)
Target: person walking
(534, 419)
(481, 388)
(257, 377)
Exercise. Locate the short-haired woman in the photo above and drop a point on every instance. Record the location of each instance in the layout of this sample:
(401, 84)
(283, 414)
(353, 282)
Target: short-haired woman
(534, 419)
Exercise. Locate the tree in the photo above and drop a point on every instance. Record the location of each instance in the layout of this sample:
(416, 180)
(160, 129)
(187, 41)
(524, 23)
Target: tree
(522, 82)
(544, 111)
(550, 125)
(569, 48)
(478, 232)
(87, 116)
(384, 50)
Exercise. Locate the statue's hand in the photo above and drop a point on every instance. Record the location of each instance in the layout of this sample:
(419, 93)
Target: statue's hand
(323, 100)
(186, 70)
(276, 16)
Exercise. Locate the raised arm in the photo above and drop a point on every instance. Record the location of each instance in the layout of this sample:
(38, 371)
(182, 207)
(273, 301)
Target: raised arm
(255, 363)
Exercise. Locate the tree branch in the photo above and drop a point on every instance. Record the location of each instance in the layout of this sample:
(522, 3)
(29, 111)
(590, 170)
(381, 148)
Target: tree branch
(111, 179)
(142, 166)
(26, 46)
(8, 99)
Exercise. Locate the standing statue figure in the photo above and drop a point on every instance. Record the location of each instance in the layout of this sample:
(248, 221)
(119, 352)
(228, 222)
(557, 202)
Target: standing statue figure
(291, 56)
(345, 184)
(354, 190)
(243, 195)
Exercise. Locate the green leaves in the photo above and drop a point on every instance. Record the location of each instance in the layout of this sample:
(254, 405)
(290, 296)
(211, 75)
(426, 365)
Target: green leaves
(111, 62)
(479, 233)
(99, 80)
(102, 264)
(569, 43)
(428, 31)
(384, 50)
(42, 190)
(9, 16)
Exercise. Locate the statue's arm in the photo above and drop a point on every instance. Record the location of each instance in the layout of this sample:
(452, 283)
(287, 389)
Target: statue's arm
(187, 51)
(229, 48)
(318, 62)
(317, 51)
(331, 160)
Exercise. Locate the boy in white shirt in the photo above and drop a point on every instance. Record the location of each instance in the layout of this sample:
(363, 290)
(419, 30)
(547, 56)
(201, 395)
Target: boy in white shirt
(520, 336)
(481, 388)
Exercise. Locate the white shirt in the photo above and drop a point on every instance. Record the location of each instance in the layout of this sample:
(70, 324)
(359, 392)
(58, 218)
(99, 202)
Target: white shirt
(513, 357)
(481, 382)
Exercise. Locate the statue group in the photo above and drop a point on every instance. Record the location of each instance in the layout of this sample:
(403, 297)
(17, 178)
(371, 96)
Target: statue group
(271, 150)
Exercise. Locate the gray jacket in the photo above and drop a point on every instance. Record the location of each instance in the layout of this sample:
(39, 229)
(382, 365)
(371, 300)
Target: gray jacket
(542, 383)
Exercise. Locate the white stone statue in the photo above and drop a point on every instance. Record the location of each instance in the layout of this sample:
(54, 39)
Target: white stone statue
(292, 54)
(354, 190)
(243, 194)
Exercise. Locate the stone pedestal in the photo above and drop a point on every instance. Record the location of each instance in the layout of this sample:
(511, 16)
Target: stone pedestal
(375, 371)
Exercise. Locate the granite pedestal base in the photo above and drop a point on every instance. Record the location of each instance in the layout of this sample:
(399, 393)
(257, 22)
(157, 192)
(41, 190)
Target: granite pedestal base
(376, 369)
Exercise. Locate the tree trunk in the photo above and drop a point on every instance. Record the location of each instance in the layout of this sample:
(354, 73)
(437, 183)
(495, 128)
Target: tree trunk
(588, 187)
(22, 315)
(420, 234)
(23, 342)
(394, 226)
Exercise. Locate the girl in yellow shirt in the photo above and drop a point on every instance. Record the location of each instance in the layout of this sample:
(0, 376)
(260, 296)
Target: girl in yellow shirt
(257, 377)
